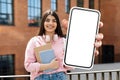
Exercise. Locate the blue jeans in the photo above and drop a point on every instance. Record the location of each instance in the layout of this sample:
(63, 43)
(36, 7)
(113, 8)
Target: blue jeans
(54, 76)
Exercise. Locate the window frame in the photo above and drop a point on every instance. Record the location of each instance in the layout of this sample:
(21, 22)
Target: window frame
(80, 3)
(6, 13)
(33, 10)
(8, 68)
(91, 4)
(67, 6)
(54, 5)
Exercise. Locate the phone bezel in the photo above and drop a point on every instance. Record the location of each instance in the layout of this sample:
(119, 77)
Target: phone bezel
(67, 37)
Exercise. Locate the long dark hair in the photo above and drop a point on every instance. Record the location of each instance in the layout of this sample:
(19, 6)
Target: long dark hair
(58, 30)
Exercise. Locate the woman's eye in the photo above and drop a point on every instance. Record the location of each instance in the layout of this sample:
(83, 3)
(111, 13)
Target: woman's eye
(47, 20)
(54, 21)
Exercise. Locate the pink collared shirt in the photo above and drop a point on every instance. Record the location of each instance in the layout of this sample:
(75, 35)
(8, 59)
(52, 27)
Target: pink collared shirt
(30, 63)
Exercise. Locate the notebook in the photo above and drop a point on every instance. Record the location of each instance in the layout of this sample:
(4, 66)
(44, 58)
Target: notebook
(45, 54)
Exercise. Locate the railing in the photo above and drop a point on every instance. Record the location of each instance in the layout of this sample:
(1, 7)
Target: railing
(12, 77)
(95, 75)
(87, 75)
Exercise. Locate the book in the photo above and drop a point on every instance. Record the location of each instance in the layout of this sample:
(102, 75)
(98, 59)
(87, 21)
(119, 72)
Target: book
(45, 54)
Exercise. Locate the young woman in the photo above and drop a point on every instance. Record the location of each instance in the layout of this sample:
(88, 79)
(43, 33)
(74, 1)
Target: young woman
(50, 26)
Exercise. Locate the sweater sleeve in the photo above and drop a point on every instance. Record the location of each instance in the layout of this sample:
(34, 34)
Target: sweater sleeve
(30, 63)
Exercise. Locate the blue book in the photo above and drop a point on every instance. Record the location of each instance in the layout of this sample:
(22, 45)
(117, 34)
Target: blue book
(47, 56)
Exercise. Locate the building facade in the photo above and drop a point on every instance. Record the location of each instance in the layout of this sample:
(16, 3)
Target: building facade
(18, 23)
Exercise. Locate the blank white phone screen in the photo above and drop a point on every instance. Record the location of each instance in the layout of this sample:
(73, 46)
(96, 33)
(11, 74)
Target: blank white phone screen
(83, 27)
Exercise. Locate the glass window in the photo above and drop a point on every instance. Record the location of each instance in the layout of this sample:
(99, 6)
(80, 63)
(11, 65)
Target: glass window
(6, 12)
(7, 65)
(80, 3)
(67, 6)
(34, 12)
(54, 5)
(91, 4)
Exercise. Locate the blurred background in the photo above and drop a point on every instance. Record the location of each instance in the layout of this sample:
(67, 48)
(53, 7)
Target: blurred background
(20, 20)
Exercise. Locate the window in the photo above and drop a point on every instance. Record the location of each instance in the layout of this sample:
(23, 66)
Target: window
(91, 4)
(7, 65)
(80, 3)
(6, 12)
(53, 5)
(67, 6)
(34, 12)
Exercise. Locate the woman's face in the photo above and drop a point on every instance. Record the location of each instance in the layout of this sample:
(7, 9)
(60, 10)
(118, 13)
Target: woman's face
(50, 24)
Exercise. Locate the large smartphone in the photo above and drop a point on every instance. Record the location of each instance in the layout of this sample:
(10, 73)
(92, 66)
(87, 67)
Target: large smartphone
(83, 26)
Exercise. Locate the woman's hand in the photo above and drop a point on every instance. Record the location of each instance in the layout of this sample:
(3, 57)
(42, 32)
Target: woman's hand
(54, 64)
(99, 36)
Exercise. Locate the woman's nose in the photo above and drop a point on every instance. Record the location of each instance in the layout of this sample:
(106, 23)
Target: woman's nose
(51, 22)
